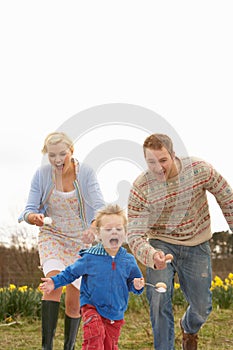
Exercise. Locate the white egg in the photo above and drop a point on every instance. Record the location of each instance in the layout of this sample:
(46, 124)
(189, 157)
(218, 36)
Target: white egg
(161, 290)
(47, 220)
(161, 287)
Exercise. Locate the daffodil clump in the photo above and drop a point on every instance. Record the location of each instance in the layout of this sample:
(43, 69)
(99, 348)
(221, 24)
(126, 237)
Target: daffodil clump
(22, 301)
(25, 301)
(222, 291)
(19, 301)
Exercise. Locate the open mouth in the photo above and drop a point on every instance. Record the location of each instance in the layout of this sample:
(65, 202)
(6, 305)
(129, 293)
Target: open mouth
(161, 175)
(59, 166)
(114, 241)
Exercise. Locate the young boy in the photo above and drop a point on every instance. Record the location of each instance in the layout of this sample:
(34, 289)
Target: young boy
(108, 273)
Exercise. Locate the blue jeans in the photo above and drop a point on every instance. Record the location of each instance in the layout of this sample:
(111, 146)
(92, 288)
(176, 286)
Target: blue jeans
(193, 266)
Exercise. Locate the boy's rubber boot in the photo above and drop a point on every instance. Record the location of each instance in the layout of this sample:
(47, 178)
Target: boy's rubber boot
(71, 331)
(49, 316)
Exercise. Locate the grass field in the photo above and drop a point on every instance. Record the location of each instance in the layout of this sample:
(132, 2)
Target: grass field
(136, 334)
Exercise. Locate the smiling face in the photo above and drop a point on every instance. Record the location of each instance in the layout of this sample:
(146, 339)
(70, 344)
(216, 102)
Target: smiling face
(59, 156)
(112, 232)
(161, 163)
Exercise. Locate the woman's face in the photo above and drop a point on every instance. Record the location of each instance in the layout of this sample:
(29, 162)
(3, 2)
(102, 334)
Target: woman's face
(59, 156)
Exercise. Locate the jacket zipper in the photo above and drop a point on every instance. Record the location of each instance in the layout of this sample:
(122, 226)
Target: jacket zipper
(113, 263)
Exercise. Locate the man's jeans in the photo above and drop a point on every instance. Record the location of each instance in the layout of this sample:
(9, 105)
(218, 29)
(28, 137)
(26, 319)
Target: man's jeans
(193, 266)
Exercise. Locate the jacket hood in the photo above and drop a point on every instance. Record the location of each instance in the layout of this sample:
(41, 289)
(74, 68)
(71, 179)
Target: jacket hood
(98, 249)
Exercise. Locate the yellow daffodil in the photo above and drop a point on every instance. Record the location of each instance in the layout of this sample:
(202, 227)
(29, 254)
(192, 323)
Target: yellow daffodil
(23, 289)
(12, 287)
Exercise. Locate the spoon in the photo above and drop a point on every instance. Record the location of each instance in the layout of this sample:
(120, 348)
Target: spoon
(160, 287)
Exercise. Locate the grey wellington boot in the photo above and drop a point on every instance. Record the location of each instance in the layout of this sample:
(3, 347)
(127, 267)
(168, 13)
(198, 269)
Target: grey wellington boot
(49, 316)
(71, 331)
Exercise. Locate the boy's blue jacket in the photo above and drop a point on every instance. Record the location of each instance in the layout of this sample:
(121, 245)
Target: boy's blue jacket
(106, 281)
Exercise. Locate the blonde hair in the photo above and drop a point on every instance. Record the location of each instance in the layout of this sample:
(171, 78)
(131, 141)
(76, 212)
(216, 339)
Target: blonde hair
(56, 137)
(110, 209)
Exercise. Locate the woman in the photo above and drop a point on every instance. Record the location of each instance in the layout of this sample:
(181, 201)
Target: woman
(68, 193)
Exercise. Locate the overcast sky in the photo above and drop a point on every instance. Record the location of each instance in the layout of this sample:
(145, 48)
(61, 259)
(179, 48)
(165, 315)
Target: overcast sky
(59, 59)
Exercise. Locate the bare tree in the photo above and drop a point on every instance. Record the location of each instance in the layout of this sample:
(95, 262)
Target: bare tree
(19, 263)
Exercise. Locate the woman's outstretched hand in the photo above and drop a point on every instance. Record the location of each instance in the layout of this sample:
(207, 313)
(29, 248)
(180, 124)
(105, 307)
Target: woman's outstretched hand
(89, 235)
(36, 219)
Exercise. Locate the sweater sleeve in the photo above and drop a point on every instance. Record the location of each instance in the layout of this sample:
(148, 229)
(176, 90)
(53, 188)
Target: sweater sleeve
(223, 193)
(91, 192)
(138, 216)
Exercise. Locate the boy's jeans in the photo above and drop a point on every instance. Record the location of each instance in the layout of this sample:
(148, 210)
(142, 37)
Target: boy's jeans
(193, 266)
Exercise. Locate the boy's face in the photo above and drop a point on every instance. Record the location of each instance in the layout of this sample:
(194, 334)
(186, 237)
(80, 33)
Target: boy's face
(112, 231)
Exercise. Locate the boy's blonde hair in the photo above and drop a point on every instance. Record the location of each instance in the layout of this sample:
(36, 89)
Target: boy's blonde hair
(110, 209)
(56, 137)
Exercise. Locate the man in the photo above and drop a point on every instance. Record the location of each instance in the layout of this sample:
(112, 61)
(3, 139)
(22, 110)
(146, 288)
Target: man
(168, 213)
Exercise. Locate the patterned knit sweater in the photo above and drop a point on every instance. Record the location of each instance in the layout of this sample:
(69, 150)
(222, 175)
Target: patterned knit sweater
(175, 211)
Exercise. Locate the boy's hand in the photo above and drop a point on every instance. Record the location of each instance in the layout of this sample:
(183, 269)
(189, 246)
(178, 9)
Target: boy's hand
(139, 283)
(47, 286)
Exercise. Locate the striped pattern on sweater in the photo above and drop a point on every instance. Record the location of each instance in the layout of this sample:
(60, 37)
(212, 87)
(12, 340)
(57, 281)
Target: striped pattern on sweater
(175, 211)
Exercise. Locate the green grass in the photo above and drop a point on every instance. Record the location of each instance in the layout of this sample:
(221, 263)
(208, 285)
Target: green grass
(136, 334)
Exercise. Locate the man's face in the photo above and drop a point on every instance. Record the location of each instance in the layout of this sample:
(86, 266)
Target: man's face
(161, 163)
